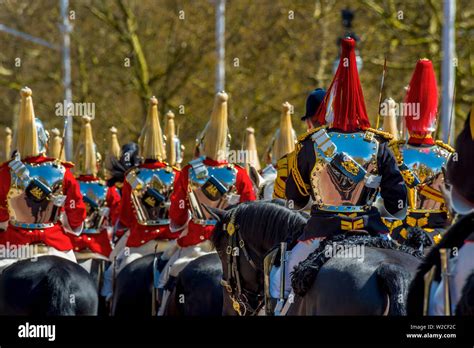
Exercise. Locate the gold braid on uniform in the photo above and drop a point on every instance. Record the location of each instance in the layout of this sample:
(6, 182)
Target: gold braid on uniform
(282, 174)
(302, 137)
(394, 145)
(295, 173)
(293, 162)
(385, 135)
(445, 146)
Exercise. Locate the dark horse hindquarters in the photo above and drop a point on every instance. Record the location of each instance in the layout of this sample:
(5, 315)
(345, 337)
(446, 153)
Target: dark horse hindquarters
(47, 286)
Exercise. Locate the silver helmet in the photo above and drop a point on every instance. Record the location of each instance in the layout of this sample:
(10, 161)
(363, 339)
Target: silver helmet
(43, 135)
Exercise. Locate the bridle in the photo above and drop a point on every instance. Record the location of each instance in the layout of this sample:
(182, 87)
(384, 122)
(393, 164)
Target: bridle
(239, 296)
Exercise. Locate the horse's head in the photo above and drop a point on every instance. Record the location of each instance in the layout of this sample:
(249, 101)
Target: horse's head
(242, 237)
(241, 264)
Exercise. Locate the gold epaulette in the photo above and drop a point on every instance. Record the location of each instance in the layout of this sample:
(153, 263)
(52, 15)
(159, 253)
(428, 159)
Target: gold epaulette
(394, 145)
(279, 189)
(279, 186)
(282, 166)
(445, 146)
(310, 132)
(295, 173)
(383, 134)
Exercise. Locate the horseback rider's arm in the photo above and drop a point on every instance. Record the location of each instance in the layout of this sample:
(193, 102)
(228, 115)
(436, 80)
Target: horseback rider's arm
(74, 206)
(297, 189)
(4, 188)
(244, 186)
(113, 202)
(179, 207)
(126, 210)
(392, 185)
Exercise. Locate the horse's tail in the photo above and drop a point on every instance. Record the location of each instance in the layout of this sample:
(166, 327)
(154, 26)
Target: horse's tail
(394, 281)
(56, 292)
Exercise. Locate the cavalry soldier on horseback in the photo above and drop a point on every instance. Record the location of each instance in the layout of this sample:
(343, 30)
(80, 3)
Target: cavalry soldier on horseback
(342, 166)
(102, 202)
(146, 193)
(421, 158)
(313, 101)
(40, 199)
(144, 208)
(207, 181)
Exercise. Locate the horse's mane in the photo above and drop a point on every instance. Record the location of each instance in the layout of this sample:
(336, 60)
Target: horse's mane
(453, 238)
(303, 276)
(262, 223)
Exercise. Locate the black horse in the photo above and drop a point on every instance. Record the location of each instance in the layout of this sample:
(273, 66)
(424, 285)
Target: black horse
(376, 286)
(47, 286)
(197, 289)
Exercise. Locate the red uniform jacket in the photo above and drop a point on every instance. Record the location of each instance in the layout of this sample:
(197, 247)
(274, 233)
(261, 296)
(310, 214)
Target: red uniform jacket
(140, 234)
(55, 236)
(100, 242)
(179, 209)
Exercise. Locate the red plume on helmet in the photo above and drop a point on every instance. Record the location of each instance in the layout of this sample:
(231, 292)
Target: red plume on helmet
(423, 90)
(343, 106)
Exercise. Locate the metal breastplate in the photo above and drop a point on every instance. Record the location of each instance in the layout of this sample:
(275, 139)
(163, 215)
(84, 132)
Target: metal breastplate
(150, 198)
(94, 194)
(201, 192)
(28, 206)
(426, 164)
(333, 177)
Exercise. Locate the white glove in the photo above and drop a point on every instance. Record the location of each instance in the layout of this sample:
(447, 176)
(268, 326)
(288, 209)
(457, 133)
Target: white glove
(65, 222)
(59, 200)
(233, 199)
(104, 211)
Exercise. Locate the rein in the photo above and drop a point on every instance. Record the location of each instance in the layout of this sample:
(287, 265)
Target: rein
(233, 284)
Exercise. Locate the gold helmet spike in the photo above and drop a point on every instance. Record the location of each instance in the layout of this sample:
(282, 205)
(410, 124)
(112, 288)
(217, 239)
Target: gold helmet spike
(390, 118)
(7, 144)
(27, 136)
(251, 155)
(151, 139)
(215, 139)
(285, 138)
(170, 135)
(114, 149)
(56, 144)
(86, 158)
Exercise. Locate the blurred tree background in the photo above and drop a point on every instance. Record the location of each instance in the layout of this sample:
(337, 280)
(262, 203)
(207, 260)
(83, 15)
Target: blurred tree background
(125, 51)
